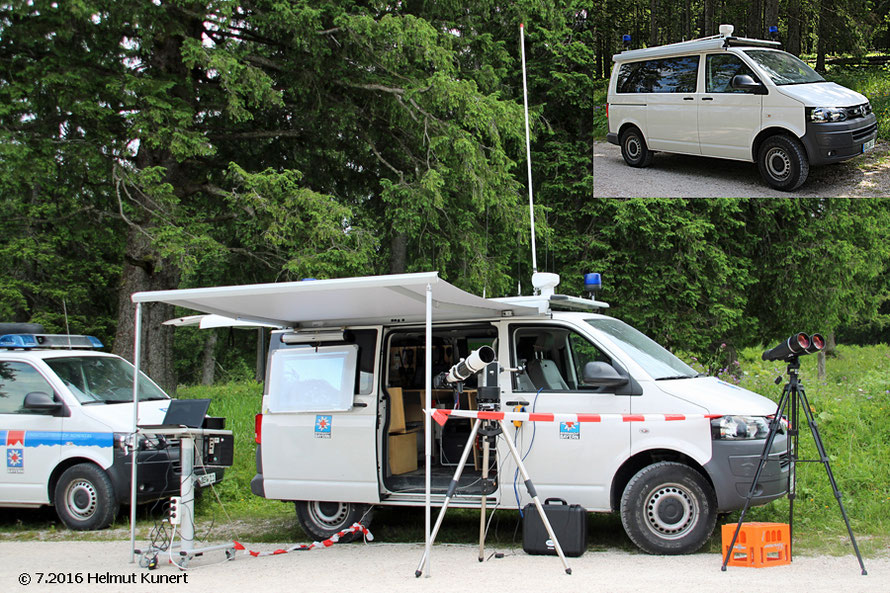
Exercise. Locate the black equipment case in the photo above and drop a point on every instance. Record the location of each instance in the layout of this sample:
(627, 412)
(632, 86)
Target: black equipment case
(569, 523)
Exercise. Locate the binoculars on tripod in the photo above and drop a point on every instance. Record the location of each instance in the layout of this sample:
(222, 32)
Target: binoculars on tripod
(797, 345)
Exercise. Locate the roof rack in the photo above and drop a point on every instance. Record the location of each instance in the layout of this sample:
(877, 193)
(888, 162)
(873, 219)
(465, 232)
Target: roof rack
(714, 42)
(29, 341)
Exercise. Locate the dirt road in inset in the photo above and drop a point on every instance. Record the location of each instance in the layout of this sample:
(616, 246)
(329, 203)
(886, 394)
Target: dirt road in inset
(672, 175)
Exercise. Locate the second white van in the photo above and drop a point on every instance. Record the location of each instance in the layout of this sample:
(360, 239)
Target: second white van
(735, 98)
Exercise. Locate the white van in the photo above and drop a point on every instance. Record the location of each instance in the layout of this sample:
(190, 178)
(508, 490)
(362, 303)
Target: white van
(66, 422)
(341, 424)
(735, 98)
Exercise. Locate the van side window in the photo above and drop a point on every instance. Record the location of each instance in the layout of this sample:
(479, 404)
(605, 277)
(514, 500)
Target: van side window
(18, 379)
(720, 70)
(553, 358)
(666, 75)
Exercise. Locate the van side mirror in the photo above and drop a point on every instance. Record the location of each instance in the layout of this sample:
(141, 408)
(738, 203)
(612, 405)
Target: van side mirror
(601, 374)
(38, 401)
(743, 82)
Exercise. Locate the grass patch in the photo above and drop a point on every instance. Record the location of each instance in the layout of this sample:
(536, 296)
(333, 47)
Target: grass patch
(873, 81)
(600, 118)
(851, 406)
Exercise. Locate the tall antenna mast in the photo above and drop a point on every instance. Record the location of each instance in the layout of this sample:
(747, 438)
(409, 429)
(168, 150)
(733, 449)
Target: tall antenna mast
(528, 150)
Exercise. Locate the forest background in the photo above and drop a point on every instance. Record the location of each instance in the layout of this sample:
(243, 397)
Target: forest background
(175, 144)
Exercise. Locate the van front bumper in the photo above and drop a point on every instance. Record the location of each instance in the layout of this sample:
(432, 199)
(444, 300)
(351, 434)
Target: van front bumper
(732, 468)
(838, 141)
(159, 474)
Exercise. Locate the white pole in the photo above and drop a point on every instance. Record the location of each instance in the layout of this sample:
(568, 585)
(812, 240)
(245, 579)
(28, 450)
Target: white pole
(427, 427)
(528, 151)
(137, 355)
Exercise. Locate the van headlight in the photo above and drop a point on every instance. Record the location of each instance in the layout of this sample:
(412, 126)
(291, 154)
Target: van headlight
(821, 115)
(737, 428)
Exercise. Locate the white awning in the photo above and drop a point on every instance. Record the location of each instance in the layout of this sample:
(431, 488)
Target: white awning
(342, 301)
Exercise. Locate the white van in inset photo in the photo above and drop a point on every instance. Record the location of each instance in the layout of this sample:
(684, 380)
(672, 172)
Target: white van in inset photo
(735, 98)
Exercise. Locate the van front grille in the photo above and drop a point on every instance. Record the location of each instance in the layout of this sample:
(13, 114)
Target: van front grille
(866, 132)
(858, 110)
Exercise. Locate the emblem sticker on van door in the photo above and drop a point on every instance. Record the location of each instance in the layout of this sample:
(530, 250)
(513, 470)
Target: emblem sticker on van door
(570, 430)
(15, 452)
(323, 427)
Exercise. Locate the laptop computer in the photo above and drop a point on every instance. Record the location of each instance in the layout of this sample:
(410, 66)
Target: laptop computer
(183, 413)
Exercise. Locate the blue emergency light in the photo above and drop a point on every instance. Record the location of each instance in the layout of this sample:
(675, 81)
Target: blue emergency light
(593, 283)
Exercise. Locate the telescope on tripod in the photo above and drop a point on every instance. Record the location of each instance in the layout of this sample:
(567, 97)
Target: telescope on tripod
(483, 361)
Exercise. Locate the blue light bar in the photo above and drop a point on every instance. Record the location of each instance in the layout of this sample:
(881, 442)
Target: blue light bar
(625, 38)
(48, 341)
(773, 29)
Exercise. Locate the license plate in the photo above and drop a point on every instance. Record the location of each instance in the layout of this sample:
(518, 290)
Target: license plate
(206, 479)
(868, 145)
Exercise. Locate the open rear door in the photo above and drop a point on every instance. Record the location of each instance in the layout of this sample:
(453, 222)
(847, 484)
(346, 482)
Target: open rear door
(320, 419)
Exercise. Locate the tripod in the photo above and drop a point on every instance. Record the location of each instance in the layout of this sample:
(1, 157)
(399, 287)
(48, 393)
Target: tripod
(793, 396)
(489, 430)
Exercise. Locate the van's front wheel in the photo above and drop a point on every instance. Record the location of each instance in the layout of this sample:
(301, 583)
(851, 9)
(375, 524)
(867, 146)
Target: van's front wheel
(84, 498)
(320, 520)
(634, 149)
(668, 508)
(783, 162)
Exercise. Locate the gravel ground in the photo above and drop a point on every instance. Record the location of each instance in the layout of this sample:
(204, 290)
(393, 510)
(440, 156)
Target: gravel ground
(672, 175)
(390, 568)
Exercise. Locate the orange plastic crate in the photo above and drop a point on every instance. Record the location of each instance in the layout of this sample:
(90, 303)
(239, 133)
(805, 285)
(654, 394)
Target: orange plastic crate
(758, 544)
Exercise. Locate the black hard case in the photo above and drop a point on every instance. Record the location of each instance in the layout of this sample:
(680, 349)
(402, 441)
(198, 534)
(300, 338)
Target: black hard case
(569, 523)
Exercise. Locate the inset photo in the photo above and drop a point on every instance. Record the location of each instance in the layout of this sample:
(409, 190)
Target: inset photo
(694, 108)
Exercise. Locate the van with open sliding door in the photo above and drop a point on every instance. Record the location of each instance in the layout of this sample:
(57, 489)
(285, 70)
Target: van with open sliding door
(341, 426)
(735, 98)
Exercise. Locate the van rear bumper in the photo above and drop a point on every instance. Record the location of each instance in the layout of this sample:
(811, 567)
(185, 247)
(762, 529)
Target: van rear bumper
(732, 468)
(838, 141)
(612, 138)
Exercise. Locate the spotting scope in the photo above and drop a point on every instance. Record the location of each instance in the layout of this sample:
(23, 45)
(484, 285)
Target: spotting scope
(469, 366)
(797, 345)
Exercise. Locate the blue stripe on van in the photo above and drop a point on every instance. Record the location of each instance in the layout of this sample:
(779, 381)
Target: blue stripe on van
(38, 438)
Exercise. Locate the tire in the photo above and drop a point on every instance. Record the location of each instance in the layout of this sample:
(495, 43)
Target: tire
(783, 163)
(668, 508)
(84, 498)
(634, 149)
(321, 520)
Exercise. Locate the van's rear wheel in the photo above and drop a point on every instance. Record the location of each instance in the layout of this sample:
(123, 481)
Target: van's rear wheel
(668, 508)
(634, 149)
(783, 162)
(321, 520)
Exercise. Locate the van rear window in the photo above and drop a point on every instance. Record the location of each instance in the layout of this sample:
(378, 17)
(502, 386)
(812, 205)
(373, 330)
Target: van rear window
(666, 75)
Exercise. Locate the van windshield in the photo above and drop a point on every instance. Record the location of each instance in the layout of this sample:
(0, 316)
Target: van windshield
(655, 360)
(783, 68)
(102, 379)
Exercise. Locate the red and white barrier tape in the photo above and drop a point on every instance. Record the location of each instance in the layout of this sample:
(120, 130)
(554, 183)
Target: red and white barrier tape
(302, 547)
(441, 416)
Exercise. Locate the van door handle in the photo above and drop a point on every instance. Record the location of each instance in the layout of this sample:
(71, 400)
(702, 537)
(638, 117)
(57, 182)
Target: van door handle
(707, 98)
(688, 99)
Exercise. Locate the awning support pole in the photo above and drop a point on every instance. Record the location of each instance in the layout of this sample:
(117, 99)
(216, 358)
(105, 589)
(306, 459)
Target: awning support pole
(428, 405)
(137, 356)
